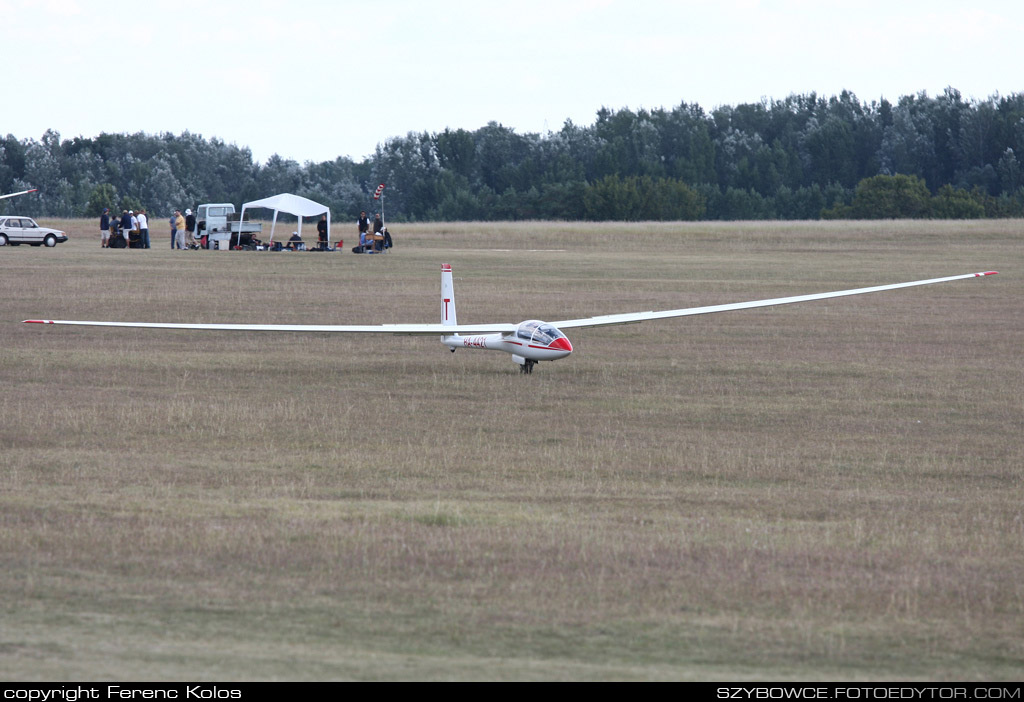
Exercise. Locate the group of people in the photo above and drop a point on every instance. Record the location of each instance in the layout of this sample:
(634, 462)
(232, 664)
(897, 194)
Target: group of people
(130, 229)
(376, 242)
(295, 242)
(183, 230)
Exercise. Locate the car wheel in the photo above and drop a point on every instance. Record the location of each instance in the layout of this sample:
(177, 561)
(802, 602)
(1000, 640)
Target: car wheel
(50, 240)
(3, 240)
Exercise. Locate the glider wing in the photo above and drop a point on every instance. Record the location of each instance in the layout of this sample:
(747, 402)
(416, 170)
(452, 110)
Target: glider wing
(405, 329)
(23, 192)
(634, 317)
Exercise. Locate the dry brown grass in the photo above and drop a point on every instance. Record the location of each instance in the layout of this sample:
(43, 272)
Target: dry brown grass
(823, 491)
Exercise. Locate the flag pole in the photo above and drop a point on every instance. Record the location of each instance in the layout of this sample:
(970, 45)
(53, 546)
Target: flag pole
(379, 195)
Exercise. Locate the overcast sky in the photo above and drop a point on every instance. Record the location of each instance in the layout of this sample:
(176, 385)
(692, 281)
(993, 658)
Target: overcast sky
(313, 80)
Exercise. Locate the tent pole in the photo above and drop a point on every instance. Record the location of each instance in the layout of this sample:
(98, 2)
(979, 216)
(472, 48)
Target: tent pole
(241, 218)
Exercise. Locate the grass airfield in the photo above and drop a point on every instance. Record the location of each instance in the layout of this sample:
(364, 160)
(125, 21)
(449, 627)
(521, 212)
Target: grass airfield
(824, 491)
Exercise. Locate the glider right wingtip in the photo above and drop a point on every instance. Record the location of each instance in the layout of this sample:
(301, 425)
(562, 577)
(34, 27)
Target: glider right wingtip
(37, 321)
(987, 273)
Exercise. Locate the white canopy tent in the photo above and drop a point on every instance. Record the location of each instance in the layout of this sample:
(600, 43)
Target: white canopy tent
(292, 204)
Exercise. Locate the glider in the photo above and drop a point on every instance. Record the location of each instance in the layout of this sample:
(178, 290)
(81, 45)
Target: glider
(528, 342)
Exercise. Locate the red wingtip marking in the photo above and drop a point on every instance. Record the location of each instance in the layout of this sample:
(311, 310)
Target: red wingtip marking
(37, 321)
(446, 267)
(989, 273)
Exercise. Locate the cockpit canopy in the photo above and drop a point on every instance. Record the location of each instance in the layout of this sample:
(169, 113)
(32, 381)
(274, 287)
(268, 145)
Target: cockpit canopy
(538, 333)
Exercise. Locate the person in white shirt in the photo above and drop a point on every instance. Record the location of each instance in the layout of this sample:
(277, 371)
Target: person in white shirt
(143, 229)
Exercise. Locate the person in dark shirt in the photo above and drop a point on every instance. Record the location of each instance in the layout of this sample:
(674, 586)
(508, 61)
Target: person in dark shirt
(190, 230)
(321, 231)
(105, 228)
(126, 225)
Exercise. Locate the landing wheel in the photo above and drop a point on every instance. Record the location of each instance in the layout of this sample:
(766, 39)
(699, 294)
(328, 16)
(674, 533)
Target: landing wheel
(527, 366)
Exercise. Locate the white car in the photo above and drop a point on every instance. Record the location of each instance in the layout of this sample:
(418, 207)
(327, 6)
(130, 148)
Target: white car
(15, 229)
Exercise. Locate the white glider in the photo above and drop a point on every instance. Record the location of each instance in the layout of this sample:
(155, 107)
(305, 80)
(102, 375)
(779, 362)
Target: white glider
(23, 192)
(528, 342)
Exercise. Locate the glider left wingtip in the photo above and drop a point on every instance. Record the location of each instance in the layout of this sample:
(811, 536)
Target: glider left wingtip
(37, 321)
(987, 273)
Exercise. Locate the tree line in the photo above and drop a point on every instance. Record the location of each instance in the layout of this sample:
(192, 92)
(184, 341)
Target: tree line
(803, 157)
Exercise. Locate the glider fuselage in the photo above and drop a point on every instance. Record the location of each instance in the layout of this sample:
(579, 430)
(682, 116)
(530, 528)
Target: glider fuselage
(533, 340)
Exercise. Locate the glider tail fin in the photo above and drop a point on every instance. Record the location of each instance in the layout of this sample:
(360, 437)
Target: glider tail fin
(448, 317)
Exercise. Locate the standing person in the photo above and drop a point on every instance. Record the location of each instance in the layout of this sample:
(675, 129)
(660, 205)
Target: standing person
(364, 225)
(179, 228)
(105, 228)
(174, 229)
(126, 226)
(137, 238)
(321, 231)
(190, 230)
(378, 224)
(143, 229)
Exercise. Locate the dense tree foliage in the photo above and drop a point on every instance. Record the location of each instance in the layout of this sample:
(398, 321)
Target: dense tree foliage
(803, 157)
